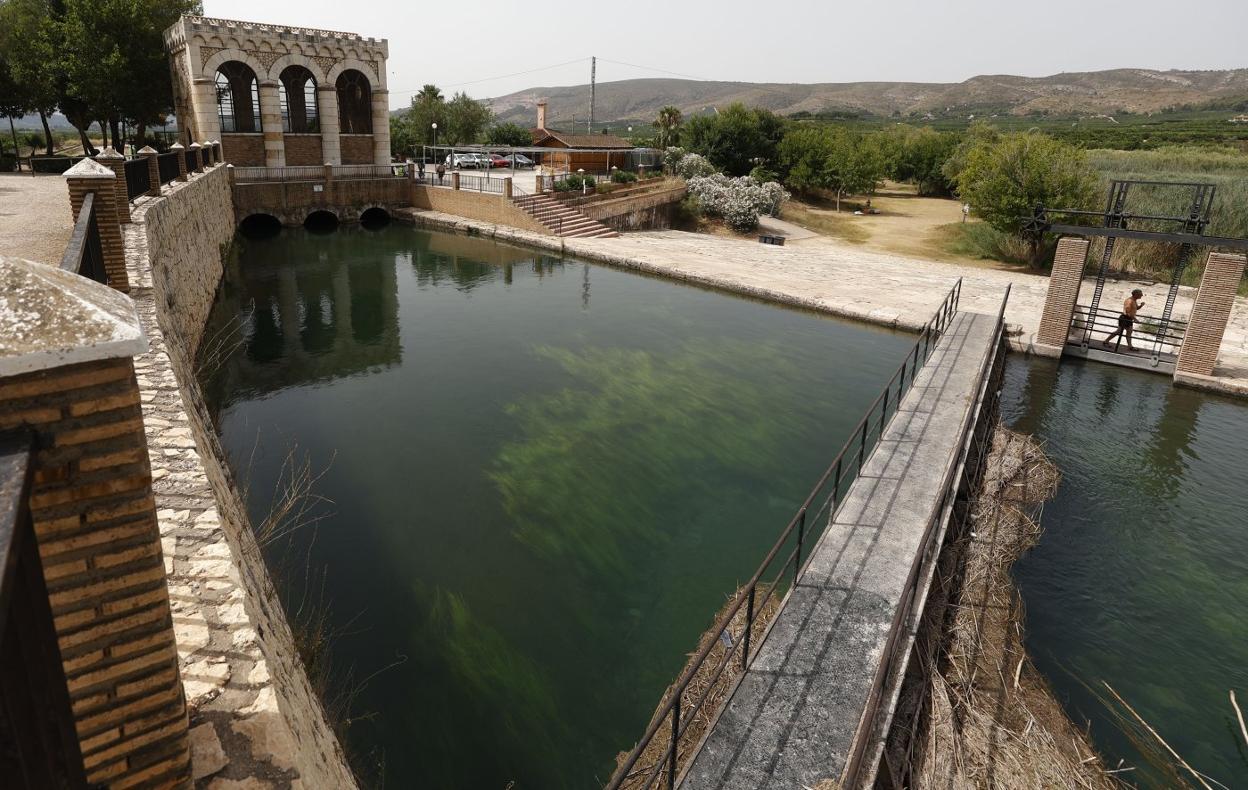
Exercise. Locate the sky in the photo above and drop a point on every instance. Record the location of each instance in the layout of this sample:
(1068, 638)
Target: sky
(482, 46)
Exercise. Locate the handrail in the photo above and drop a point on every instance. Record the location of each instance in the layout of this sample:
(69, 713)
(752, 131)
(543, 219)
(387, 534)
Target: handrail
(845, 465)
(84, 254)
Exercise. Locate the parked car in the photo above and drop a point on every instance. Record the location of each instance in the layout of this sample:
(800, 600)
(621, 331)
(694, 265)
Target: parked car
(462, 161)
(498, 161)
(520, 159)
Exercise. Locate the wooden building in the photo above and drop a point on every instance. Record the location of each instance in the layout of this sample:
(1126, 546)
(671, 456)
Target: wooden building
(593, 153)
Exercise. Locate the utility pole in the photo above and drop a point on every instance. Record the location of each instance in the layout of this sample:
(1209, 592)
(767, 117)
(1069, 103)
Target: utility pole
(593, 74)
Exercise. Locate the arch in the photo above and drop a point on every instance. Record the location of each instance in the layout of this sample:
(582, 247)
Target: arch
(297, 97)
(226, 55)
(375, 217)
(320, 220)
(238, 97)
(297, 59)
(355, 102)
(260, 226)
(348, 64)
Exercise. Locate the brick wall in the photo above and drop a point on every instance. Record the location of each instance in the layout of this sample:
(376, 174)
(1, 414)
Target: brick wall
(95, 520)
(303, 149)
(243, 150)
(357, 149)
(108, 222)
(1059, 304)
(475, 205)
(1210, 314)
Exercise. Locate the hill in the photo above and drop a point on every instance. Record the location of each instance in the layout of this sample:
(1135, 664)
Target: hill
(1078, 93)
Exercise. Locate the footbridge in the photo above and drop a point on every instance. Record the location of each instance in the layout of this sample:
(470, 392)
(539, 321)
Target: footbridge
(803, 692)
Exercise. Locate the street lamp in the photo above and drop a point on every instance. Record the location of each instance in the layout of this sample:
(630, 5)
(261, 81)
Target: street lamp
(580, 171)
(434, 126)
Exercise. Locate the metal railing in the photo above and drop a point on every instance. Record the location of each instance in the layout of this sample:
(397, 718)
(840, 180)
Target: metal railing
(84, 254)
(167, 167)
(244, 175)
(480, 184)
(1150, 333)
(192, 160)
(41, 746)
(364, 171)
(138, 178)
(818, 509)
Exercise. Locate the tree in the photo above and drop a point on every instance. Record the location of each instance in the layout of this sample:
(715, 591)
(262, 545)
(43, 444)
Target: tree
(977, 133)
(831, 158)
(1004, 180)
(13, 100)
(466, 119)
(512, 134)
(402, 135)
(855, 166)
(668, 122)
(29, 39)
(917, 155)
(428, 107)
(735, 139)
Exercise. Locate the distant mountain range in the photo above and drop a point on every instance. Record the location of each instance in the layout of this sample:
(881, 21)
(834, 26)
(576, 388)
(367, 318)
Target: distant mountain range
(1079, 93)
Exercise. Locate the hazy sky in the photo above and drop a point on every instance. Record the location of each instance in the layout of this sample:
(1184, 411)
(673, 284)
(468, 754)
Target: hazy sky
(474, 45)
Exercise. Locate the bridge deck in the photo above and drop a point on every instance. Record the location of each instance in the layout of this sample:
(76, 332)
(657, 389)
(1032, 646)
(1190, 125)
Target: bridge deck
(792, 721)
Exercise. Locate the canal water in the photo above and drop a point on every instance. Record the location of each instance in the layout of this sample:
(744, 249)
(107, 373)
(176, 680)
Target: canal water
(1141, 576)
(536, 479)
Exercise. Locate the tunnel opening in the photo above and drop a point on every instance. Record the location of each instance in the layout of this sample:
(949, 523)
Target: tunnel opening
(260, 226)
(321, 222)
(374, 218)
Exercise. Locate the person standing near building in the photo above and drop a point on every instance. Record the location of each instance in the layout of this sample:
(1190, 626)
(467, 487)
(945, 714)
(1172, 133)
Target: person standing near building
(1130, 306)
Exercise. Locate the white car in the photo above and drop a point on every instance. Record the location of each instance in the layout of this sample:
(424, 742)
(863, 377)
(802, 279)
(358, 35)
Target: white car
(462, 161)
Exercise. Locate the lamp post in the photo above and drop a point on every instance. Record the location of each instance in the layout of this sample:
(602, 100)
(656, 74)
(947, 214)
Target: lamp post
(580, 171)
(434, 126)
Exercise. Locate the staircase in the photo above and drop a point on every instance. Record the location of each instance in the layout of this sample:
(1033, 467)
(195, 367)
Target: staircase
(560, 219)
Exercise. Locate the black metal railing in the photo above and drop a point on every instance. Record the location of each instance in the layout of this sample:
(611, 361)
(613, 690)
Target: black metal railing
(480, 184)
(805, 527)
(84, 254)
(192, 163)
(167, 167)
(1150, 334)
(138, 178)
(40, 747)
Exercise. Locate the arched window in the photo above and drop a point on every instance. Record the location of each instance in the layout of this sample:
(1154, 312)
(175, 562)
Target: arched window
(298, 97)
(238, 98)
(355, 103)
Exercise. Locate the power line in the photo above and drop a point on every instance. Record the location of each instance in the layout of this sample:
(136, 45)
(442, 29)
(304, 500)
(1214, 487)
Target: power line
(501, 76)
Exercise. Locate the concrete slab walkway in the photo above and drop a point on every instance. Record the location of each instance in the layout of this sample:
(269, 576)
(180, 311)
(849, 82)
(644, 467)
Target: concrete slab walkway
(792, 720)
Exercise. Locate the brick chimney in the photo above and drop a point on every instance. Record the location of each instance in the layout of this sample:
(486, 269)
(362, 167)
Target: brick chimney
(541, 113)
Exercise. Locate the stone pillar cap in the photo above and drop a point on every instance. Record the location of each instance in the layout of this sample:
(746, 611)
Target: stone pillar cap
(89, 168)
(50, 318)
(178, 146)
(147, 149)
(215, 142)
(109, 153)
(195, 145)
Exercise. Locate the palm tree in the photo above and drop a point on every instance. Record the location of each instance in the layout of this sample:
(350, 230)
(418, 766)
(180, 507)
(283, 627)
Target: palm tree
(668, 124)
(429, 93)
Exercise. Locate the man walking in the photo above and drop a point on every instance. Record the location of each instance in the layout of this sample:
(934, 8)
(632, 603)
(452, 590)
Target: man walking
(1130, 306)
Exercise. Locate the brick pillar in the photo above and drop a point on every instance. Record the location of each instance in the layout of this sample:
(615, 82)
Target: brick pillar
(229, 172)
(117, 163)
(218, 153)
(455, 180)
(197, 156)
(72, 386)
(1199, 354)
(209, 152)
(90, 176)
(507, 188)
(153, 169)
(181, 151)
(1059, 304)
(329, 184)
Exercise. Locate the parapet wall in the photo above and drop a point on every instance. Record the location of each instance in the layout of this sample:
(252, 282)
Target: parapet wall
(184, 233)
(475, 205)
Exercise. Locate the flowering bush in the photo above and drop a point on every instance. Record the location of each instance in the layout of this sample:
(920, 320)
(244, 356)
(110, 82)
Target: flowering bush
(738, 200)
(686, 165)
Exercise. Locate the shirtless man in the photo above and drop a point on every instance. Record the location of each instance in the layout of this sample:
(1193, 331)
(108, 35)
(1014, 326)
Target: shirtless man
(1130, 306)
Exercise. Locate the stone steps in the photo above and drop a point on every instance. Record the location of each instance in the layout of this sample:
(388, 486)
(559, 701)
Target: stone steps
(561, 219)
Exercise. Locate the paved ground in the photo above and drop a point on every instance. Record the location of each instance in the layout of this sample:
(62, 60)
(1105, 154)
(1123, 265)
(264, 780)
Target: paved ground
(792, 720)
(35, 219)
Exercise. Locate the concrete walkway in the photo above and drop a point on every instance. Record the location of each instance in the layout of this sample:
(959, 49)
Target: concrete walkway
(792, 721)
(35, 219)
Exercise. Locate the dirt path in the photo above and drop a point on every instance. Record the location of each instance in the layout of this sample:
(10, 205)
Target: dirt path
(35, 218)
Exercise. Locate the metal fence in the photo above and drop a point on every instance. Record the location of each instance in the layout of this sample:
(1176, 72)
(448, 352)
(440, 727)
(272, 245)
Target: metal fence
(288, 173)
(192, 160)
(1150, 334)
(138, 177)
(773, 577)
(167, 167)
(480, 184)
(40, 746)
(85, 254)
(364, 171)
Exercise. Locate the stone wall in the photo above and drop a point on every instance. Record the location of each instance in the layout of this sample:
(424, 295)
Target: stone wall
(292, 201)
(357, 149)
(646, 210)
(243, 150)
(303, 149)
(183, 234)
(475, 205)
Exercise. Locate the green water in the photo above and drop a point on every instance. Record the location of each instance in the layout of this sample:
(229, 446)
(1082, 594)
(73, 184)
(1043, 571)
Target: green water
(1141, 576)
(542, 478)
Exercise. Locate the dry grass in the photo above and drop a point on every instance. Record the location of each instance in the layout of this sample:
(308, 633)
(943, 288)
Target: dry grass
(709, 681)
(990, 719)
(826, 222)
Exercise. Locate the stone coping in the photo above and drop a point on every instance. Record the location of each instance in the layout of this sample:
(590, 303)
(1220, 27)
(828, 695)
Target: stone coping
(50, 318)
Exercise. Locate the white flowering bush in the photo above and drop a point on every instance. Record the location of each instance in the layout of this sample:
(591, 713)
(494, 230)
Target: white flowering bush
(680, 162)
(738, 200)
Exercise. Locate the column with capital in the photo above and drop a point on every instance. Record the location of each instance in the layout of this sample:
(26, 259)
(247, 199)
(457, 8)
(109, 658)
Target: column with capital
(381, 127)
(271, 124)
(327, 110)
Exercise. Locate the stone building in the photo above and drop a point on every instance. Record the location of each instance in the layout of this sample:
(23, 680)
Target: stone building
(277, 95)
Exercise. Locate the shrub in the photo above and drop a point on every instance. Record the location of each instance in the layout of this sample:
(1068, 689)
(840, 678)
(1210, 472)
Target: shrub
(762, 175)
(623, 176)
(738, 200)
